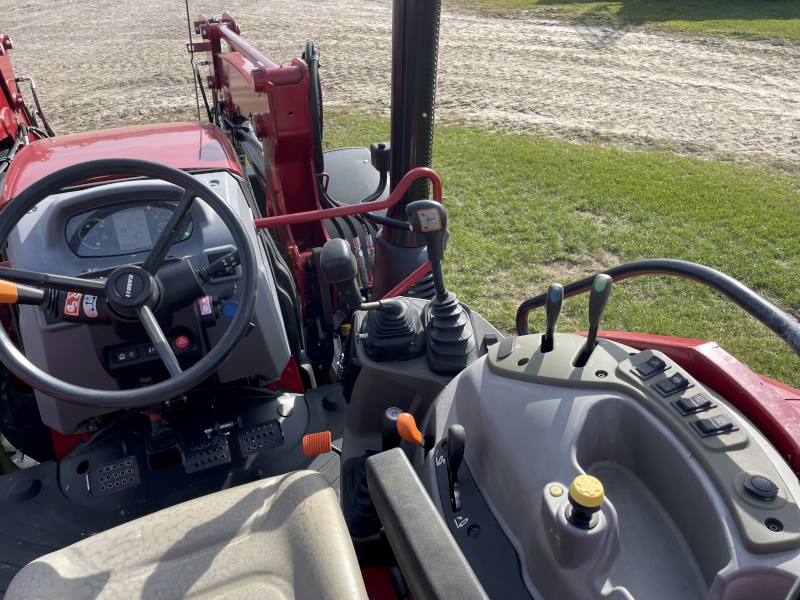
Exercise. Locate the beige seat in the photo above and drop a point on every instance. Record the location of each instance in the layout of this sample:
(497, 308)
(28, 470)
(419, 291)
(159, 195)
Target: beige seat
(278, 538)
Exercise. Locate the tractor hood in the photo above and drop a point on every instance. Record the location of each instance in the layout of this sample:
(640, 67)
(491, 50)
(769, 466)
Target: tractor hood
(187, 146)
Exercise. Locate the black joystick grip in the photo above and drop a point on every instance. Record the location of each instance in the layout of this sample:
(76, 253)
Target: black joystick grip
(340, 269)
(555, 297)
(429, 220)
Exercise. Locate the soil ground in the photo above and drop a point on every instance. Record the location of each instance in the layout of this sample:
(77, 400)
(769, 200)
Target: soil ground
(106, 63)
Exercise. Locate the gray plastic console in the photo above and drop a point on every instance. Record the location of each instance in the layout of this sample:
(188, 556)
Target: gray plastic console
(66, 351)
(677, 522)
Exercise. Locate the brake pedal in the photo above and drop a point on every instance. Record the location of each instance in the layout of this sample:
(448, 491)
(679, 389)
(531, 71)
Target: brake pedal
(114, 477)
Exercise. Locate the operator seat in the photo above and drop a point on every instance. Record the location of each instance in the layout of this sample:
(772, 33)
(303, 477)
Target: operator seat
(281, 538)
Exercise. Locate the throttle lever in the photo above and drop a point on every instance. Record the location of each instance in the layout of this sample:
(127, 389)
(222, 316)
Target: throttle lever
(456, 443)
(555, 297)
(598, 298)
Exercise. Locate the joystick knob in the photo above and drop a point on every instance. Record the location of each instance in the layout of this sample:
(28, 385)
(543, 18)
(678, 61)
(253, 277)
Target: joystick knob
(586, 496)
(555, 297)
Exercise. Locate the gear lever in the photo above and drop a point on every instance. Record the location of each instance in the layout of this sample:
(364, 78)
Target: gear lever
(598, 297)
(555, 296)
(456, 443)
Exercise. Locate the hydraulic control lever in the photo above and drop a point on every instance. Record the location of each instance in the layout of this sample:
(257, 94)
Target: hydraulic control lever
(456, 443)
(429, 220)
(555, 297)
(340, 269)
(598, 297)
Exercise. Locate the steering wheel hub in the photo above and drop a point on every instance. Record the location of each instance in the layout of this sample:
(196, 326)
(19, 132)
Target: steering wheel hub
(130, 287)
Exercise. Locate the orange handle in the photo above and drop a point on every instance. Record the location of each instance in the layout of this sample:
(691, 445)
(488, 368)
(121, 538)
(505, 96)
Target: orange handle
(407, 428)
(317, 443)
(8, 292)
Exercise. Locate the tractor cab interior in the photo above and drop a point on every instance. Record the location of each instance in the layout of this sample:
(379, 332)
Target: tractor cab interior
(240, 373)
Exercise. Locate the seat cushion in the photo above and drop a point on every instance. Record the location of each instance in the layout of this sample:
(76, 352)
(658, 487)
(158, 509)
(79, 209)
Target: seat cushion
(278, 538)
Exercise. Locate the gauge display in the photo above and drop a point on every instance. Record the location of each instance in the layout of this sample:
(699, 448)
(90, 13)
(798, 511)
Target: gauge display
(121, 228)
(95, 234)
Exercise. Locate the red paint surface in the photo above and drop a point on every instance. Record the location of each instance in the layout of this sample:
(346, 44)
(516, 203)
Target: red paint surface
(773, 407)
(329, 213)
(185, 146)
(64, 443)
(378, 584)
(290, 379)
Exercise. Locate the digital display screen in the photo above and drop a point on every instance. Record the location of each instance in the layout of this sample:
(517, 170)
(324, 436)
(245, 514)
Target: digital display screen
(132, 230)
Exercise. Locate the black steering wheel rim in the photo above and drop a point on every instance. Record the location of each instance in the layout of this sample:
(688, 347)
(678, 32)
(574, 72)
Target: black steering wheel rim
(21, 366)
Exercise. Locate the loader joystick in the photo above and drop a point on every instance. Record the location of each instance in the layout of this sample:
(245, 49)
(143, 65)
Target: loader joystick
(449, 330)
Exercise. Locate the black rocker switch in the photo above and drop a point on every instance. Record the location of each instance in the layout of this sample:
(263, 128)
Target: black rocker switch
(340, 269)
(456, 443)
(429, 220)
(671, 385)
(555, 297)
(650, 367)
(598, 298)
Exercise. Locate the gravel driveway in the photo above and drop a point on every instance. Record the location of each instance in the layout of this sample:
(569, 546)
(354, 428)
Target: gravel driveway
(103, 63)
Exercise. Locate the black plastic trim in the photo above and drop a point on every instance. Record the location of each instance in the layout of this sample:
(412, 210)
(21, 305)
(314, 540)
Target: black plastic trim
(431, 561)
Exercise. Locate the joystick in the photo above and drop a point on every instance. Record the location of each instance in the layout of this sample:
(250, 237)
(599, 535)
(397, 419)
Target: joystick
(555, 297)
(598, 297)
(393, 330)
(449, 329)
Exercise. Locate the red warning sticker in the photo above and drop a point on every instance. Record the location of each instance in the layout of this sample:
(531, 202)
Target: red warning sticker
(72, 304)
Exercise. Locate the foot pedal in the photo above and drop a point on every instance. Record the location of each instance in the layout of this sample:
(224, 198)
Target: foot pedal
(114, 477)
(261, 437)
(206, 453)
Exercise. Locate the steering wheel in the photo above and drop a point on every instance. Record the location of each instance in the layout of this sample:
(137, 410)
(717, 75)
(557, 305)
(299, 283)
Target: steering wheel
(130, 289)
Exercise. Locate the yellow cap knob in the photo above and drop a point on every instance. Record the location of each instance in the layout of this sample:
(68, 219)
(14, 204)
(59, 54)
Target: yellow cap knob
(587, 491)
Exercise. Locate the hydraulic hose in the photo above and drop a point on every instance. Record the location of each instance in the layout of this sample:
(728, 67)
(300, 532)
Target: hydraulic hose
(758, 307)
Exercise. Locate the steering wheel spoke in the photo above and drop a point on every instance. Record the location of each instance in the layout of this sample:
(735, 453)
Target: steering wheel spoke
(159, 340)
(176, 224)
(93, 287)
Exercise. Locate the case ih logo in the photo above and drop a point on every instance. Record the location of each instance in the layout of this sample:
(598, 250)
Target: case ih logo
(129, 286)
(72, 304)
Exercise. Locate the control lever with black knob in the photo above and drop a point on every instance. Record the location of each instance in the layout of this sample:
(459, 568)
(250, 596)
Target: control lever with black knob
(555, 297)
(448, 323)
(340, 269)
(598, 298)
(456, 444)
(429, 220)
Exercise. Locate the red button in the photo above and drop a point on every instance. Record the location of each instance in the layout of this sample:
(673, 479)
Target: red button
(182, 342)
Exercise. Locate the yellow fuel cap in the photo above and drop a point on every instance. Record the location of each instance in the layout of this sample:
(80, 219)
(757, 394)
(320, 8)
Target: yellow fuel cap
(587, 491)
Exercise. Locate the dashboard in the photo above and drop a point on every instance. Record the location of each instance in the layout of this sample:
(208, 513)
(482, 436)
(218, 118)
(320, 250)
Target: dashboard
(121, 228)
(85, 231)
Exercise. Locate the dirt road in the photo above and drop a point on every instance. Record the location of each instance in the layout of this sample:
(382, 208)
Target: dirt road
(103, 63)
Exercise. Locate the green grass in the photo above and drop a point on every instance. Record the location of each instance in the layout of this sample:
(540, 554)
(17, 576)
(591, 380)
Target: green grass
(744, 18)
(527, 210)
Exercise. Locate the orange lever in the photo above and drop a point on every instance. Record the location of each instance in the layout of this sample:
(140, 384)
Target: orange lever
(9, 293)
(407, 428)
(317, 443)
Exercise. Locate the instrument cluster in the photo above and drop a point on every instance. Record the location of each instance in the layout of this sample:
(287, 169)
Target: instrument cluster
(119, 229)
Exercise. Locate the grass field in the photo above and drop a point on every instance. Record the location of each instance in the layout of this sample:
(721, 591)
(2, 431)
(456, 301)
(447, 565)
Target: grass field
(744, 18)
(526, 210)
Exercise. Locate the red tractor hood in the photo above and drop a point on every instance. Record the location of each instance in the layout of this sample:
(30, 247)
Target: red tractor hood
(186, 146)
